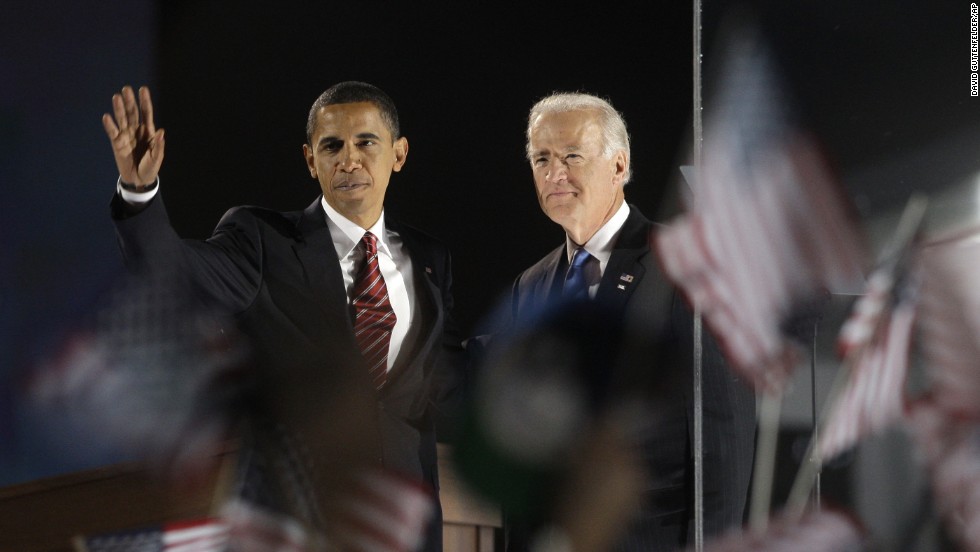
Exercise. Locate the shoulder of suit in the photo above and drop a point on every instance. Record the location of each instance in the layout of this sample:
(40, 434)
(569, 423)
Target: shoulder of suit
(637, 217)
(415, 234)
(280, 222)
(635, 232)
(543, 266)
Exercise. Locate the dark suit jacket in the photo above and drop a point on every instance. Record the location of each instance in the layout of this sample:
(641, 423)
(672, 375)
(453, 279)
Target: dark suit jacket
(279, 275)
(634, 287)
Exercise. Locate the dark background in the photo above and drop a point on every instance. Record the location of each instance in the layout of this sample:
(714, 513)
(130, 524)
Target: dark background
(463, 77)
(882, 87)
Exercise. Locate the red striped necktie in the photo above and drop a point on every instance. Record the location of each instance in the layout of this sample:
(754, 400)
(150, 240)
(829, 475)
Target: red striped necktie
(374, 318)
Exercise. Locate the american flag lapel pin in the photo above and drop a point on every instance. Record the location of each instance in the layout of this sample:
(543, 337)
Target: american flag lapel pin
(428, 270)
(624, 277)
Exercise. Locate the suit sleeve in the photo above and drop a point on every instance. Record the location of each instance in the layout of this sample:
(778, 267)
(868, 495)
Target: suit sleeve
(225, 269)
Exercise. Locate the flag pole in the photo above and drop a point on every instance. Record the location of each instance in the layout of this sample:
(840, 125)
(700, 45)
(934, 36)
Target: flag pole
(808, 475)
(813, 414)
(698, 139)
(765, 460)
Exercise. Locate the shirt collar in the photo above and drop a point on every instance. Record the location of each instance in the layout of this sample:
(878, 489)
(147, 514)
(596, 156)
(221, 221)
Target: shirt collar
(600, 245)
(346, 234)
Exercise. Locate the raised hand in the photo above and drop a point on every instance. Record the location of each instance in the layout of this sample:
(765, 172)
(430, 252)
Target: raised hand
(136, 143)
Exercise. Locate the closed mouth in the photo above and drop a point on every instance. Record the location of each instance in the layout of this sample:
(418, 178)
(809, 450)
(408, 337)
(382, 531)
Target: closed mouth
(346, 186)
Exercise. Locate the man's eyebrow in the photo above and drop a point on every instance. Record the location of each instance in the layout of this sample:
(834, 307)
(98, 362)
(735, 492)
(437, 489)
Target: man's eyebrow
(543, 152)
(361, 136)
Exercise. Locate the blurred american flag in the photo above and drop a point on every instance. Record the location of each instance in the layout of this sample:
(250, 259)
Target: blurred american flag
(768, 232)
(949, 324)
(945, 421)
(818, 531)
(198, 535)
(875, 343)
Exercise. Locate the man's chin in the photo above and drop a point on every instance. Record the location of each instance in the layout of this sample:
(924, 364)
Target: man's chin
(560, 214)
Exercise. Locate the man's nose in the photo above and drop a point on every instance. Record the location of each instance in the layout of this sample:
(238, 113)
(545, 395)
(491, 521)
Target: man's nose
(350, 159)
(557, 171)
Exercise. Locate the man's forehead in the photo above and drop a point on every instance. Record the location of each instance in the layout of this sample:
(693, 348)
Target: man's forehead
(360, 117)
(568, 130)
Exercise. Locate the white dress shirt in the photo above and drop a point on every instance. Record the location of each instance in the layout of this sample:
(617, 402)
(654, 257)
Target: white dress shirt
(600, 245)
(396, 268)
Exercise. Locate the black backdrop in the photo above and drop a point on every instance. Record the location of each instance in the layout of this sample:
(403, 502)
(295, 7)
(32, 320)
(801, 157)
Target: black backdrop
(236, 83)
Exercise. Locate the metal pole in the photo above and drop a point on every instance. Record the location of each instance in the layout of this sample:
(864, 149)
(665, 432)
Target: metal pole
(698, 138)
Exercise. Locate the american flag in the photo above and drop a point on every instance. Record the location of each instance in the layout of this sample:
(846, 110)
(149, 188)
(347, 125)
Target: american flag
(875, 342)
(768, 231)
(819, 531)
(387, 513)
(241, 526)
(945, 420)
(254, 529)
(381, 511)
(197, 535)
(950, 450)
(949, 324)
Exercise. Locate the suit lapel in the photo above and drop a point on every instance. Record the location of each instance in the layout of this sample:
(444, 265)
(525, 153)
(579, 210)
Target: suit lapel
(555, 268)
(317, 254)
(541, 284)
(625, 269)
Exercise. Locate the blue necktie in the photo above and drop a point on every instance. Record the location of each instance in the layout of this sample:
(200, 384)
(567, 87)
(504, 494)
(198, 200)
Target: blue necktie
(576, 286)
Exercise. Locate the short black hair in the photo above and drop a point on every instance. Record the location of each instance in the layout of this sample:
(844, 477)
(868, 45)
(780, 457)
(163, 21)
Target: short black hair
(353, 92)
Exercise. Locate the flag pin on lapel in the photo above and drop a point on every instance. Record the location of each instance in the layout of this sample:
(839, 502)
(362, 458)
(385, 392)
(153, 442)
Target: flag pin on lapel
(628, 278)
(428, 270)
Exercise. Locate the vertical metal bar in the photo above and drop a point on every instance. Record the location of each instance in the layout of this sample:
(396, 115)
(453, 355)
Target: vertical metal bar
(698, 137)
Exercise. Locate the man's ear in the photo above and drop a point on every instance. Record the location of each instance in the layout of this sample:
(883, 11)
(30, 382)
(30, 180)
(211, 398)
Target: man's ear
(310, 162)
(621, 161)
(401, 153)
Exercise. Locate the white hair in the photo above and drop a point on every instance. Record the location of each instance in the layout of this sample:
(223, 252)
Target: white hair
(614, 135)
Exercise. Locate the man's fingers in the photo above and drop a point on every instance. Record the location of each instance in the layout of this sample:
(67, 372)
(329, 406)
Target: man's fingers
(129, 103)
(110, 127)
(138, 146)
(146, 107)
(119, 111)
